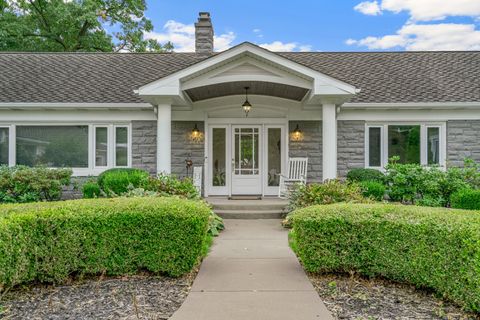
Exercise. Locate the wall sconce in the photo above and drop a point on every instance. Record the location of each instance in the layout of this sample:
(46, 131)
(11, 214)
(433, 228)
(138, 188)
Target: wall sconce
(196, 135)
(297, 134)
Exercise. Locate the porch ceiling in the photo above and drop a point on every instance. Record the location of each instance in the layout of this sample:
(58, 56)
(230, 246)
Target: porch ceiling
(238, 88)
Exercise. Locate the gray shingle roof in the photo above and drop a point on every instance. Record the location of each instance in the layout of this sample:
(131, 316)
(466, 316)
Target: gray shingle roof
(97, 77)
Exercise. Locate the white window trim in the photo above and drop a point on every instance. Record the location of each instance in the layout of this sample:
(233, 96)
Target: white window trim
(423, 141)
(129, 146)
(94, 142)
(367, 144)
(92, 169)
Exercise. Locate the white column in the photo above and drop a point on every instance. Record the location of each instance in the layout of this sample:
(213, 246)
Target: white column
(329, 141)
(164, 138)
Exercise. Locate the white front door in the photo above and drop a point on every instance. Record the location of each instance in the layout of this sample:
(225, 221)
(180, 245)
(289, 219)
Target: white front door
(246, 160)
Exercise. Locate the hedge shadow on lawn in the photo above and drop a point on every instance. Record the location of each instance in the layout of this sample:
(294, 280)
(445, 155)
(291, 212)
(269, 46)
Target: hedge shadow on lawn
(434, 248)
(48, 242)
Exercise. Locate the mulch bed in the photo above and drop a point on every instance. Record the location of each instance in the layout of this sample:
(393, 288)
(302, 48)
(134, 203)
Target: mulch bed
(134, 297)
(355, 297)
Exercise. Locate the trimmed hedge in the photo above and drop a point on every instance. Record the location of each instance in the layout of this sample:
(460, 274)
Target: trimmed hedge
(466, 199)
(48, 242)
(434, 248)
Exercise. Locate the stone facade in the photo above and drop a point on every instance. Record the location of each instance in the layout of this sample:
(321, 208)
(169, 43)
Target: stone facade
(310, 146)
(463, 137)
(184, 147)
(144, 145)
(350, 146)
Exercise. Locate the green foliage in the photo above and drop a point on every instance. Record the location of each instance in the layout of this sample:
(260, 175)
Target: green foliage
(48, 242)
(331, 191)
(24, 184)
(415, 184)
(58, 25)
(166, 185)
(435, 248)
(361, 174)
(91, 190)
(215, 224)
(118, 180)
(466, 199)
(373, 189)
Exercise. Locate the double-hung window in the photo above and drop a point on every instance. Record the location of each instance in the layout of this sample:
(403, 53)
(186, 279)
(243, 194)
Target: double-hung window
(420, 143)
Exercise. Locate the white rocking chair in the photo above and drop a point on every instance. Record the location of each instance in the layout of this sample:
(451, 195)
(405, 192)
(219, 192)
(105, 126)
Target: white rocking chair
(297, 173)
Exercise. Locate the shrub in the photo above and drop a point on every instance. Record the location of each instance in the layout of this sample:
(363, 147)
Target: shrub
(466, 199)
(331, 191)
(367, 174)
(48, 242)
(26, 184)
(415, 184)
(373, 189)
(167, 185)
(117, 181)
(91, 190)
(435, 248)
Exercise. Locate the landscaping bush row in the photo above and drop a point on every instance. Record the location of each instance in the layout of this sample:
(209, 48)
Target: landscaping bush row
(23, 184)
(49, 242)
(433, 248)
(125, 181)
(420, 185)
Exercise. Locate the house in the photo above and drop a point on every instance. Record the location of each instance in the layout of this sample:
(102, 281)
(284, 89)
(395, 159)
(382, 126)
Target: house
(342, 110)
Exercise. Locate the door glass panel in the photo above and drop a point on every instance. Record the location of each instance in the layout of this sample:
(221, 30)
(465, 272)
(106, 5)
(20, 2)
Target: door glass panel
(404, 142)
(433, 145)
(4, 146)
(374, 147)
(274, 156)
(219, 155)
(101, 143)
(246, 151)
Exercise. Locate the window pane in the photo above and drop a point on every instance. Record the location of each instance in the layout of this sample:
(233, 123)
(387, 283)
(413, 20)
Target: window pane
(404, 142)
(121, 146)
(101, 142)
(4, 146)
(219, 155)
(374, 147)
(433, 146)
(274, 156)
(52, 146)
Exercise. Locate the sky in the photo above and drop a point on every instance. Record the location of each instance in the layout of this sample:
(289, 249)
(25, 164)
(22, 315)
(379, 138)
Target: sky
(323, 25)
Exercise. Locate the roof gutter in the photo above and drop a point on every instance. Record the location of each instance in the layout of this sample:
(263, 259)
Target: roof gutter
(412, 105)
(73, 105)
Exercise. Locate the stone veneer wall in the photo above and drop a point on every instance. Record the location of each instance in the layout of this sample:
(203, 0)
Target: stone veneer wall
(350, 146)
(310, 147)
(463, 141)
(144, 145)
(184, 148)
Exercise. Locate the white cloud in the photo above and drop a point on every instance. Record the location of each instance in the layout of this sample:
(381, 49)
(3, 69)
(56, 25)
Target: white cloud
(256, 30)
(419, 37)
(285, 47)
(183, 37)
(423, 10)
(370, 8)
(427, 10)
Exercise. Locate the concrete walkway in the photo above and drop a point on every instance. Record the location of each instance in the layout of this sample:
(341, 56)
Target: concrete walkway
(251, 273)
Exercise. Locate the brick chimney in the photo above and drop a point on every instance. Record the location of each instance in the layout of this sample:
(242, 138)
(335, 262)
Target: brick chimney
(204, 34)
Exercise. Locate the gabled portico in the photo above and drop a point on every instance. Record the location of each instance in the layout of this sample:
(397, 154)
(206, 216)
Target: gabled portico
(281, 91)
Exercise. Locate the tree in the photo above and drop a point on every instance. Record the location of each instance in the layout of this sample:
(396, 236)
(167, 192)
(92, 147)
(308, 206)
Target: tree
(76, 25)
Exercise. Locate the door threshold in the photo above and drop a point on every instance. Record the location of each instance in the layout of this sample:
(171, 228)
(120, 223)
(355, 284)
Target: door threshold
(245, 197)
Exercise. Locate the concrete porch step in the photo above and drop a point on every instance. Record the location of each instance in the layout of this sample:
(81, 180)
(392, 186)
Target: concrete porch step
(249, 214)
(266, 208)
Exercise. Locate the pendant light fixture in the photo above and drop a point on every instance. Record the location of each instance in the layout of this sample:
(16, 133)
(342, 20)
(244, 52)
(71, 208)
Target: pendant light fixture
(246, 105)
